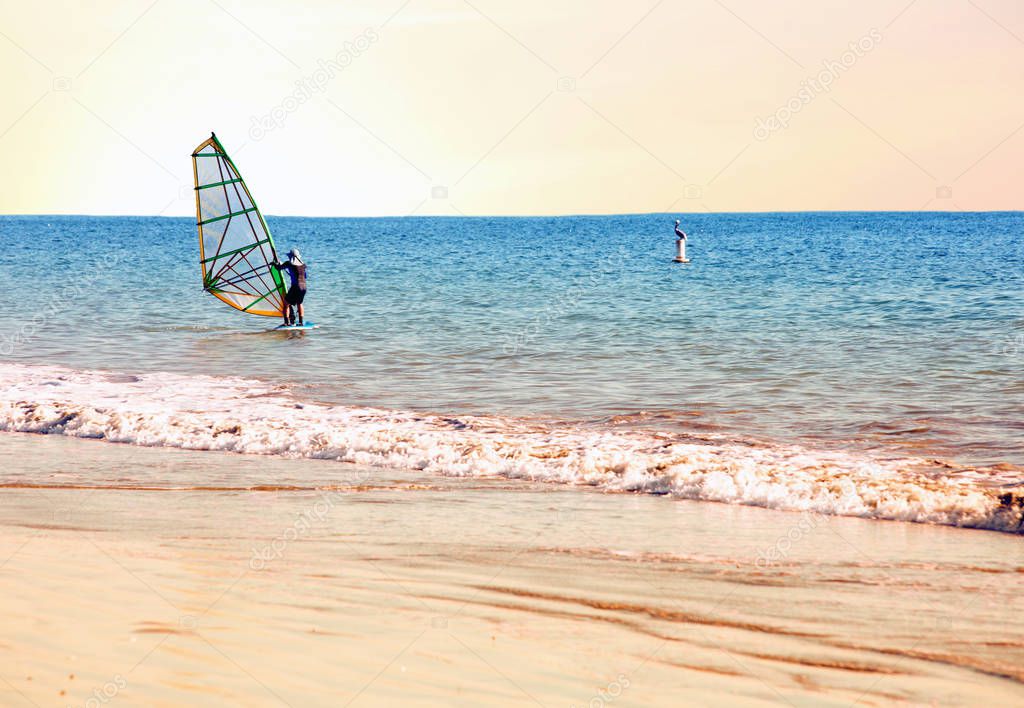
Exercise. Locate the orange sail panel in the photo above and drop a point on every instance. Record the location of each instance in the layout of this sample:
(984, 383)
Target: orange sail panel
(236, 251)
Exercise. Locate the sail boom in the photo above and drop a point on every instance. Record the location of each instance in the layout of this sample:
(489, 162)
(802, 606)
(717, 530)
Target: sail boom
(265, 296)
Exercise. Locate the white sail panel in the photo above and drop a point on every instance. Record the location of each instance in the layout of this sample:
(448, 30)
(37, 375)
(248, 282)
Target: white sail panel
(236, 248)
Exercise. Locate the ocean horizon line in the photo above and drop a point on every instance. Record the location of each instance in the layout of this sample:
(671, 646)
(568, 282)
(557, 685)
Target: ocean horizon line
(547, 216)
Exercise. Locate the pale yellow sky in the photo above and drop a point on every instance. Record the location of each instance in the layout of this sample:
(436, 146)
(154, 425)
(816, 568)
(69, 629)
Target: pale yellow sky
(527, 107)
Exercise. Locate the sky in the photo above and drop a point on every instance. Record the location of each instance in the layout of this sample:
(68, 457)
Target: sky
(502, 107)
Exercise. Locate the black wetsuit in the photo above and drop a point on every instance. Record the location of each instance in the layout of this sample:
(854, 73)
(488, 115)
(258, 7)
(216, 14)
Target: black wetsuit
(297, 290)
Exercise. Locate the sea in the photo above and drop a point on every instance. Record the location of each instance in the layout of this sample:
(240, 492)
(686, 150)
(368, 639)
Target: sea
(858, 364)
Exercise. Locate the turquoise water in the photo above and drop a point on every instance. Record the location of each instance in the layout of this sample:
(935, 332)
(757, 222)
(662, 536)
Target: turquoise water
(900, 332)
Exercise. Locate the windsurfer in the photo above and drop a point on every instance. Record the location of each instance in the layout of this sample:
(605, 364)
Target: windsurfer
(297, 290)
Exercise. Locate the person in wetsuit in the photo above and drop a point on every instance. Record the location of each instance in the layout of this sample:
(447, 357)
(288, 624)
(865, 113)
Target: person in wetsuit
(296, 269)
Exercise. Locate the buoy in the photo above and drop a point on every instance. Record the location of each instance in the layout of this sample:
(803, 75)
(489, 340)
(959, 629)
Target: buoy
(681, 251)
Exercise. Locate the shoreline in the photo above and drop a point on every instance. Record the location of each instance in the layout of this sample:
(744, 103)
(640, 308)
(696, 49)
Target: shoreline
(254, 417)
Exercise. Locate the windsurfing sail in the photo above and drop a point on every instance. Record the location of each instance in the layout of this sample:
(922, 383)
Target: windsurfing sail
(235, 247)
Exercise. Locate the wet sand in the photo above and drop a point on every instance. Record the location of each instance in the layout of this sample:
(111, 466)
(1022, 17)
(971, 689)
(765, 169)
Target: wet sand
(166, 577)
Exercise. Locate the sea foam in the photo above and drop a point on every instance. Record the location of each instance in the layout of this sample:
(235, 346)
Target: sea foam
(253, 417)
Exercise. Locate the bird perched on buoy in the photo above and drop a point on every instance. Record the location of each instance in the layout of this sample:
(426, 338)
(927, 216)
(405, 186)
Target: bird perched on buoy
(680, 245)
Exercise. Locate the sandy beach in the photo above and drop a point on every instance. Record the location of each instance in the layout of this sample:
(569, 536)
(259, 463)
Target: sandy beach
(384, 587)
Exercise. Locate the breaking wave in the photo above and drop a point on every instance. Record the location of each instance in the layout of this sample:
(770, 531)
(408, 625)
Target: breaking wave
(253, 417)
